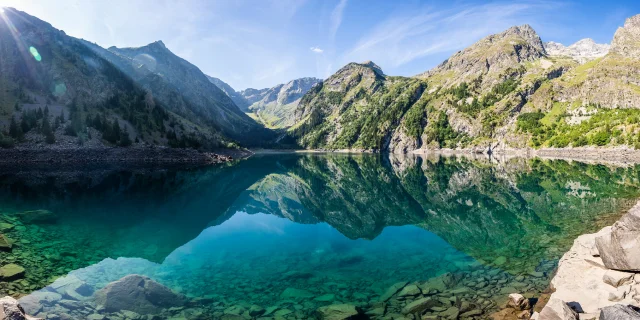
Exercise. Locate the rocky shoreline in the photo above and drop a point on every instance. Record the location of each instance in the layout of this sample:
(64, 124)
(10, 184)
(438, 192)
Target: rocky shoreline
(597, 278)
(134, 155)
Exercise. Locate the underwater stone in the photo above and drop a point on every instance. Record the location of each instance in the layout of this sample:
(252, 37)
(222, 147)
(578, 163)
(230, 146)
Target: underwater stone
(393, 290)
(10, 309)
(11, 271)
(5, 244)
(38, 216)
(296, 294)
(137, 293)
(420, 305)
(326, 297)
(337, 312)
(409, 291)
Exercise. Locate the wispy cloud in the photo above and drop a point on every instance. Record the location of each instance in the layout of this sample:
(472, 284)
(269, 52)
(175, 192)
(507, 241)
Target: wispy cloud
(336, 18)
(408, 36)
(316, 50)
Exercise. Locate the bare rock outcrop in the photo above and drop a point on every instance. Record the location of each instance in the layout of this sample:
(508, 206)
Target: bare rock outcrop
(620, 248)
(626, 41)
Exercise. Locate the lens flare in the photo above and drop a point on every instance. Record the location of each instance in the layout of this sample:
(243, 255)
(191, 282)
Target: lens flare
(35, 54)
(59, 89)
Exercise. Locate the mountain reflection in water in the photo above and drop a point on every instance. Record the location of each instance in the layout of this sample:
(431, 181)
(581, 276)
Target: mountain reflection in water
(287, 234)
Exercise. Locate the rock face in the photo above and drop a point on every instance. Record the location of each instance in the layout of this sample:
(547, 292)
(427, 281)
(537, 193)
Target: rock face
(620, 248)
(138, 294)
(493, 54)
(237, 98)
(10, 309)
(581, 51)
(275, 106)
(619, 312)
(626, 41)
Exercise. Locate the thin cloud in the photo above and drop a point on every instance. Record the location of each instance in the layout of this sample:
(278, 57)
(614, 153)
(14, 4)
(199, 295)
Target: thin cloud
(336, 18)
(406, 37)
(316, 50)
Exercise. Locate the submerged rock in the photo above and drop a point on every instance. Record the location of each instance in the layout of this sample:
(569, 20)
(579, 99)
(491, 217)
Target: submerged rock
(620, 248)
(11, 271)
(138, 294)
(420, 305)
(38, 216)
(393, 290)
(619, 312)
(295, 294)
(10, 309)
(5, 244)
(338, 312)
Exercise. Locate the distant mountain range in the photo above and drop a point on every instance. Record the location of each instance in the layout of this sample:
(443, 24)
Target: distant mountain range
(507, 91)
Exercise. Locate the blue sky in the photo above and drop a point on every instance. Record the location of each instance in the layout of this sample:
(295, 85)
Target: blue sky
(260, 43)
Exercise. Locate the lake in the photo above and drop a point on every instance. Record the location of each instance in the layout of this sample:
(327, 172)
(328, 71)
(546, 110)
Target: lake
(283, 236)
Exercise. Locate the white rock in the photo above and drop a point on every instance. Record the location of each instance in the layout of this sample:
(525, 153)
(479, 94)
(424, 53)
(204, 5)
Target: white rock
(581, 51)
(580, 277)
(617, 278)
(557, 309)
(620, 248)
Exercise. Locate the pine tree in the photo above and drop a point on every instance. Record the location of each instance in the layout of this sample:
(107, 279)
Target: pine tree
(17, 106)
(13, 128)
(48, 133)
(46, 112)
(116, 131)
(125, 140)
(62, 116)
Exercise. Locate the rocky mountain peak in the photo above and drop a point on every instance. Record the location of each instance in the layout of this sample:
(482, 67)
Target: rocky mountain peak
(626, 40)
(582, 51)
(491, 55)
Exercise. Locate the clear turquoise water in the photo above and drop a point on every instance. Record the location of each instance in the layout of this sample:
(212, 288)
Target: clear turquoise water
(297, 232)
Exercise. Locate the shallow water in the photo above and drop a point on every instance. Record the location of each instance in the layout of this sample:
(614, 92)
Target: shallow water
(288, 234)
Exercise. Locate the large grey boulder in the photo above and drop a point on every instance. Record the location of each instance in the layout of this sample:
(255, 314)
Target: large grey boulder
(138, 294)
(557, 309)
(619, 312)
(10, 309)
(620, 249)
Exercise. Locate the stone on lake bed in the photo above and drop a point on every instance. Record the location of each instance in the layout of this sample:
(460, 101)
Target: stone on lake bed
(326, 297)
(137, 293)
(38, 216)
(411, 290)
(11, 271)
(337, 312)
(4, 226)
(420, 305)
(5, 244)
(296, 294)
(393, 290)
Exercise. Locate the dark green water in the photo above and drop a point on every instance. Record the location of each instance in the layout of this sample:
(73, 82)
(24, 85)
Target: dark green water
(292, 233)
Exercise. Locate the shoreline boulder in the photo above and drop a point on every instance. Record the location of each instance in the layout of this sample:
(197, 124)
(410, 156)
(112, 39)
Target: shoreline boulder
(620, 248)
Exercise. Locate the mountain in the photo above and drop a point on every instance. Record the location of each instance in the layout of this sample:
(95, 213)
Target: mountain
(581, 51)
(503, 92)
(56, 90)
(238, 99)
(275, 106)
(190, 92)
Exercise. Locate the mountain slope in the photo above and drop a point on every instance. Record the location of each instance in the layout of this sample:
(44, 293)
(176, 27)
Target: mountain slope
(61, 91)
(184, 87)
(275, 106)
(505, 91)
(238, 99)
